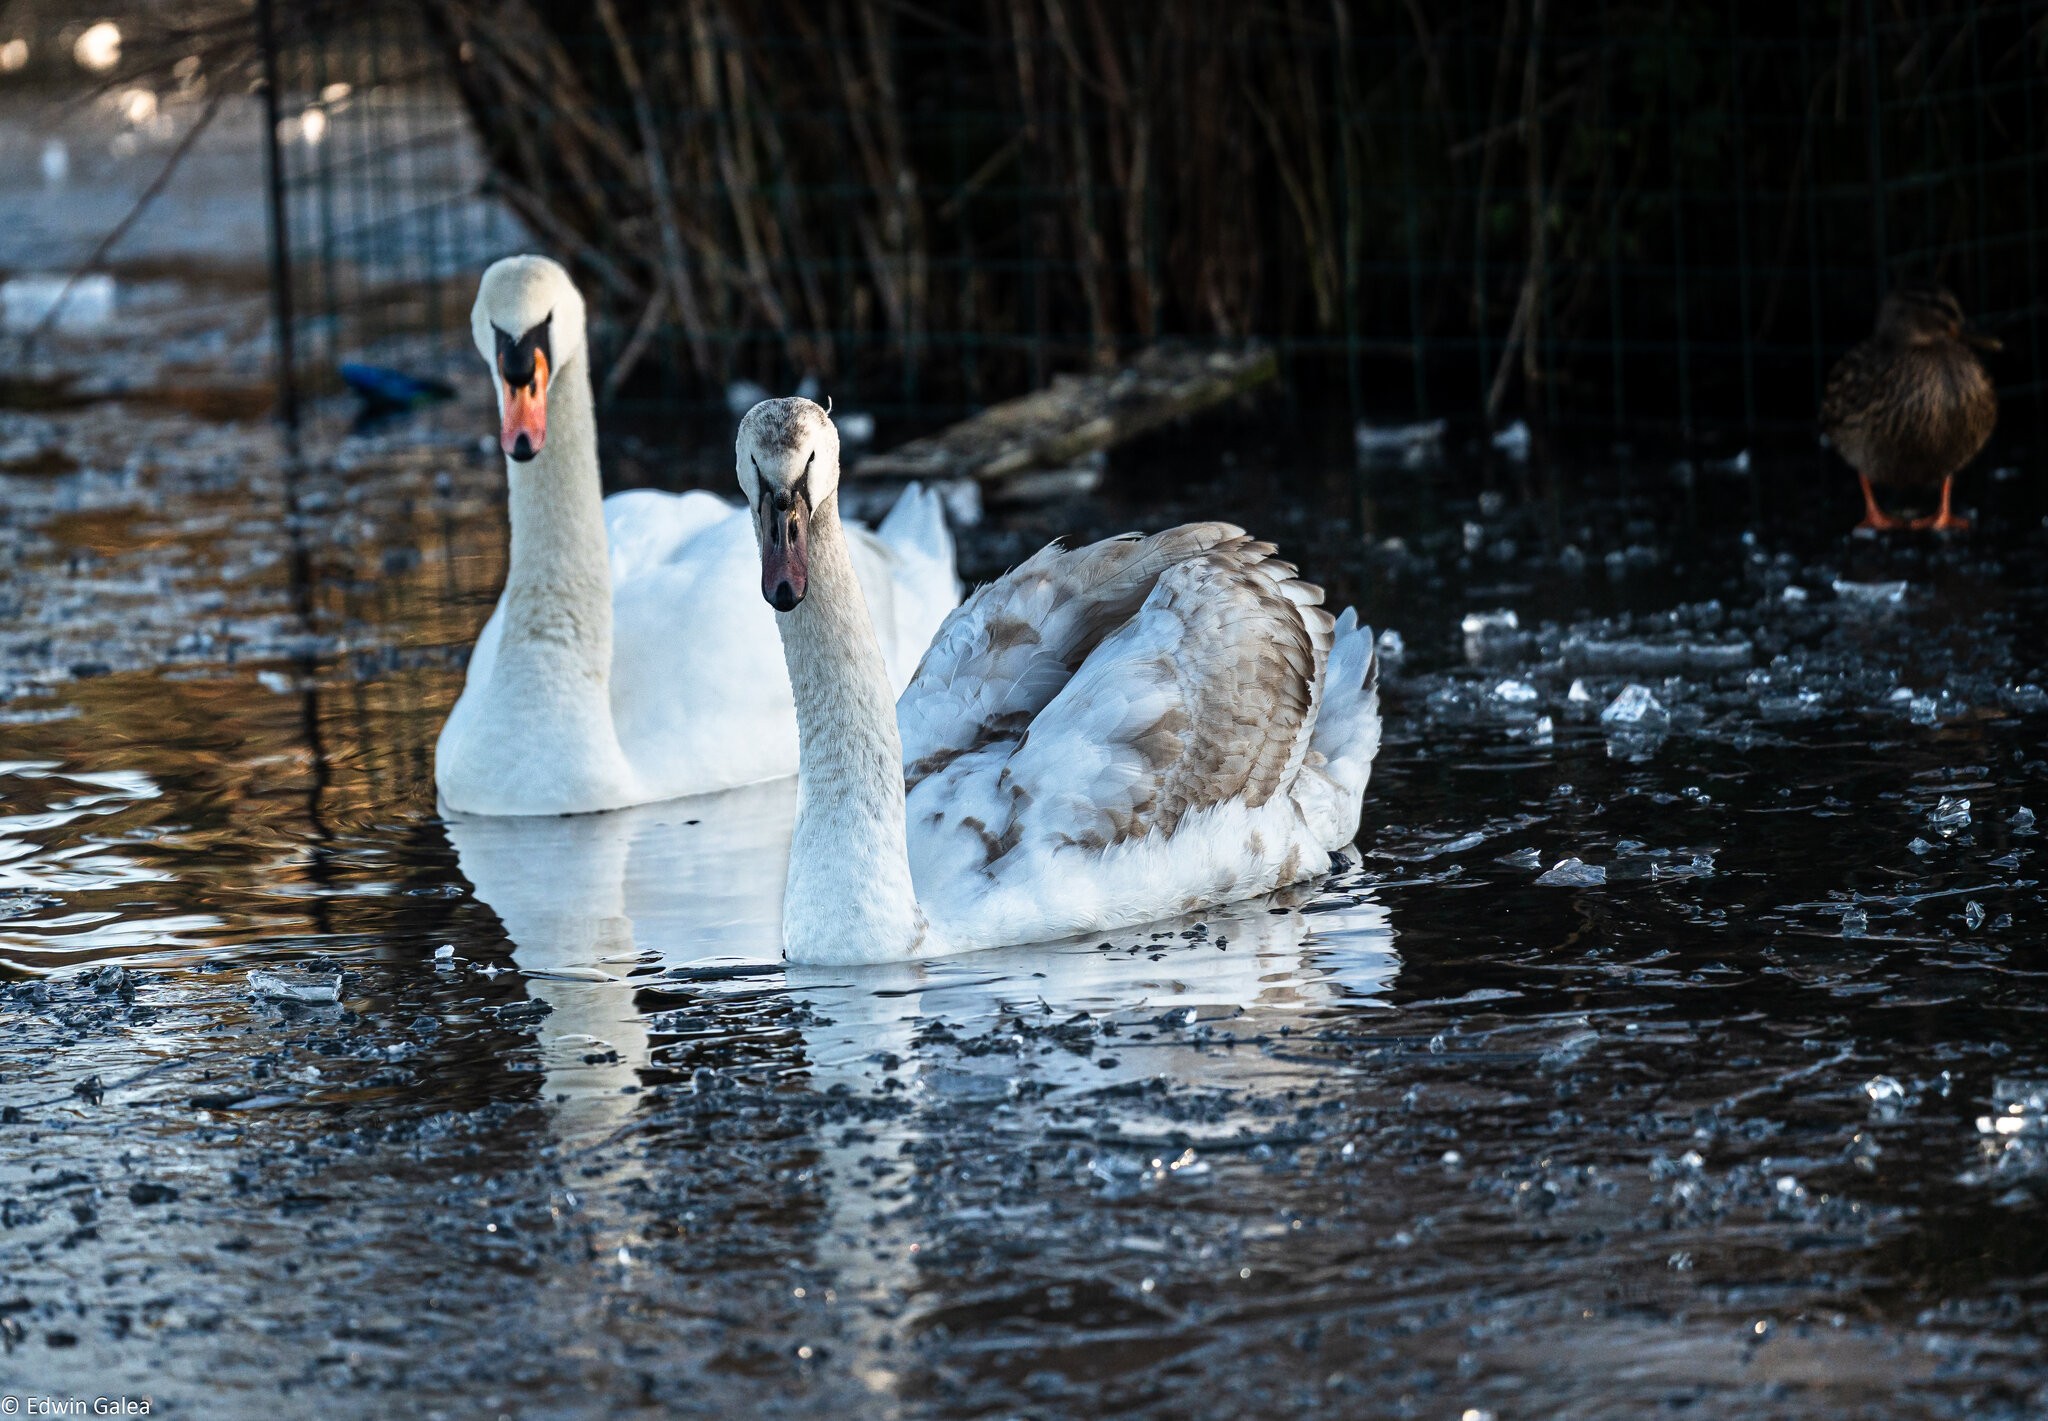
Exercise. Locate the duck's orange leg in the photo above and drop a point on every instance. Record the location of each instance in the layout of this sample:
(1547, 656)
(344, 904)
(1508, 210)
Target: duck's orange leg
(1874, 518)
(1945, 521)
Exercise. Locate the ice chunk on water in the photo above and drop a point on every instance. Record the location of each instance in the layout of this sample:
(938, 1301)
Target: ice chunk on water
(1522, 858)
(1872, 594)
(1920, 846)
(1973, 914)
(1887, 1096)
(1544, 731)
(1391, 646)
(1637, 708)
(296, 986)
(1923, 710)
(1949, 814)
(1855, 923)
(1647, 656)
(1513, 441)
(1409, 444)
(1572, 873)
(1580, 694)
(1516, 693)
(2013, 1138)
(1490, 623)
(1793, 595)
(2022, 821)
(2019, 1108)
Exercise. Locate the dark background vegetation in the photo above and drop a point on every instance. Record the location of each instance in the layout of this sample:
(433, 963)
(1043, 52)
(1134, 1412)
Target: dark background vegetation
(1610, 213)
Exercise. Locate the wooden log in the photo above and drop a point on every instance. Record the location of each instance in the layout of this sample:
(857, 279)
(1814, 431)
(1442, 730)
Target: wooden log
(1076, 416)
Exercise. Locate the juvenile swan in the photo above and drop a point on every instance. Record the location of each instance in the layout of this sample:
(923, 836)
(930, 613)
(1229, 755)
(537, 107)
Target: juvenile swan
(1100, 738)
(627, 660)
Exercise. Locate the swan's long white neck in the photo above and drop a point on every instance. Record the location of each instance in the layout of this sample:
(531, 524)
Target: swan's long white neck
(558, 581)
(553, 671)
(849, 897)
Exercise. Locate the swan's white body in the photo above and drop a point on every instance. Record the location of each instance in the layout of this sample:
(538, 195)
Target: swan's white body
(1102, 738)
(630, 657)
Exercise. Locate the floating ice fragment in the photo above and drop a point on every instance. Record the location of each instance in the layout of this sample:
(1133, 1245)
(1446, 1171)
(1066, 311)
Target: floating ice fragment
(2022, 821)
(1855, 923)
(1887, 1096)
(445, 952)
(1490, 623)
(1522, 858)
(1920, 846)
(1391, 646)
(1637, 707)
(1973, 914)
(1872, 594)
(1572, 873)
(1580, 694)
(1793, 595)
(296, 986)
(1513, 441)
(1565, 1052)
(1409, 444)
(1474, 535)
(1949, 814)
(1516, 693)
(1924, 710)
(1544, 731)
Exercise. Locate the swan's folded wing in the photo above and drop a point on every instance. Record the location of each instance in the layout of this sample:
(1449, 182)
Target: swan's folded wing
(1002, 655)
(646, 528)
(1206, 696)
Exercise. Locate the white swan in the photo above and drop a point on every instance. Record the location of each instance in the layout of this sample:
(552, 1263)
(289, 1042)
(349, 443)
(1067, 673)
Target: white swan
(627, 660)
(1100, 738)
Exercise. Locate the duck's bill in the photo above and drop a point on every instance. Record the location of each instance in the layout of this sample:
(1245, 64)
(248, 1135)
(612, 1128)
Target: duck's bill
(1983, 340)
(785, 551)
(525, 427)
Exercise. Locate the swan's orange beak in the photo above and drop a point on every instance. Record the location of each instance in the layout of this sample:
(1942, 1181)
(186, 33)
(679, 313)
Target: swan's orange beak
(526, 411)
(785, 547)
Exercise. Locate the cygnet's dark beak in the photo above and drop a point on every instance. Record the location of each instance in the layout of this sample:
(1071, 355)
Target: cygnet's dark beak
(785, 516)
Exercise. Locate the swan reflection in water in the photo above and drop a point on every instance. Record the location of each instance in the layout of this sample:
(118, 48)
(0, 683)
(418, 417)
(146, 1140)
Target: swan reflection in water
(687, 896)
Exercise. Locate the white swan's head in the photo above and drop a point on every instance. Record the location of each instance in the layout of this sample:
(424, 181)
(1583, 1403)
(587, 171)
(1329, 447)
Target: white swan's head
(788, 459)
(527, 324)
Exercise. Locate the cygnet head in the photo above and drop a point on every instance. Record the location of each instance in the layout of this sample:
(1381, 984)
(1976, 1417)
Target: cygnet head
(527, 324)
(787, 455)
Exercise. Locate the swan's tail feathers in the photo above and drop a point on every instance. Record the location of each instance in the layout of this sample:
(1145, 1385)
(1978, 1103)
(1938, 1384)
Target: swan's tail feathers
(1348, 722)
(916, 530)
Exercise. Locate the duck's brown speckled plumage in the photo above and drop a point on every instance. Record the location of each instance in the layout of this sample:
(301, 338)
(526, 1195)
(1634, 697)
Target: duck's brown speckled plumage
(1912, 405)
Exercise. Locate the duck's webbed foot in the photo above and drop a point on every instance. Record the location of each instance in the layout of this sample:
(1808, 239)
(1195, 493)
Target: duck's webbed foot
(1946, 521)
(1875, 519)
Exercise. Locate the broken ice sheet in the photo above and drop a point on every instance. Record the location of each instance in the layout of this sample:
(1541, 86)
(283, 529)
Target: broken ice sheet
(296, 986)
(1638, 708)
(1572, 873)
(1887, 1097)
(1872, 594)
(1950, 814)
(1490, 623)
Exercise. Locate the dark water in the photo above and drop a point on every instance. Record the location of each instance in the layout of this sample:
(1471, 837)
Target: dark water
(1751, 1125)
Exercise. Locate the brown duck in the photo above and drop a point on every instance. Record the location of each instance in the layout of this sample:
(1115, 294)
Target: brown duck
(1912, 405)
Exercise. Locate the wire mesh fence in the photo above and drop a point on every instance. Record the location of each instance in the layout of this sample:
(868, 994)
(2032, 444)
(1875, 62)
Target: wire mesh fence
(1603, 214)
